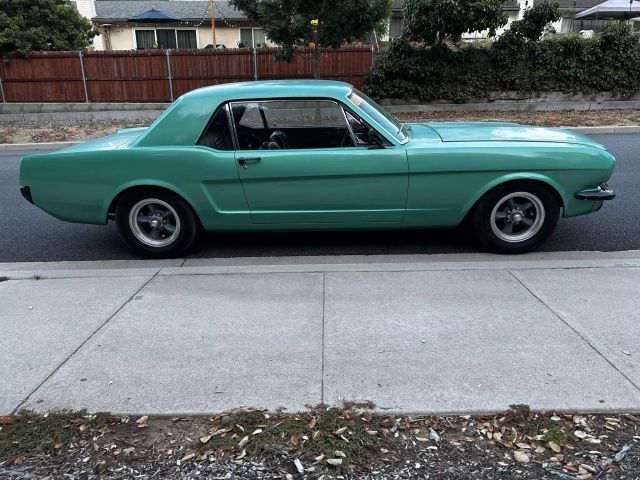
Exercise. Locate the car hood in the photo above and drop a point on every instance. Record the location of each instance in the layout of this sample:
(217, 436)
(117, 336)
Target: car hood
(497, 132)
(121, 139)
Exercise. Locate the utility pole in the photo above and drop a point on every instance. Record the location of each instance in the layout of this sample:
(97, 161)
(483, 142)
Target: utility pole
(213, 24)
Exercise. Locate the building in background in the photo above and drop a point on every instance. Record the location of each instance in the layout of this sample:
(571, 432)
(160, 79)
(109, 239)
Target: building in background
(193, 30)
(87, 9)
(515, 10)
(569, 8)
(233, 29)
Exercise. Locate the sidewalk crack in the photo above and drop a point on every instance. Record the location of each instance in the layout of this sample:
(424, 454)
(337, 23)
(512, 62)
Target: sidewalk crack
(93, 334)
(580, 335)
(324, 283)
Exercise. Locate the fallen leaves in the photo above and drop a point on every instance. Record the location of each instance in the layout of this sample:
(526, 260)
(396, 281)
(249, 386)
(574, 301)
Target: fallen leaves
(618, 457)
(242, 443)
(6, 420)
(554, 446)
(186, 458)
(340, 442)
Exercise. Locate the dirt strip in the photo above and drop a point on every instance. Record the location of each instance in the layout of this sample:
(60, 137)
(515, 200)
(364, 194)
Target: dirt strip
(27, 132)
(322, 443)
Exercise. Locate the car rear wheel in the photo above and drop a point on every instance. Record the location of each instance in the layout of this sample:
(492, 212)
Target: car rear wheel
(156, 223)
(515, 218)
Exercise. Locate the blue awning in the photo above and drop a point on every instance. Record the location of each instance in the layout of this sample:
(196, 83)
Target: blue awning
(153, 16)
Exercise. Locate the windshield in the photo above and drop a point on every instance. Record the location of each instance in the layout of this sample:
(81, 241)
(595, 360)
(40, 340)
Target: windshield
(379, 114)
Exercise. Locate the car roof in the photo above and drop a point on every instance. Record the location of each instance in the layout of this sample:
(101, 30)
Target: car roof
(272, 89)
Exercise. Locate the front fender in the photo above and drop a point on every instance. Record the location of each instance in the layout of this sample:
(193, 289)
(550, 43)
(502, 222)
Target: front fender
(513, 177)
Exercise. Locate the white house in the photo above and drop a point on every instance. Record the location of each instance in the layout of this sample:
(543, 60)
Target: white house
(87, 9)
(192, 28)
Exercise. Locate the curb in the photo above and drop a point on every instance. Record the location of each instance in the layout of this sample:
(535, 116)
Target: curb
(294, 265)
(515, 106)
(607, 129)
(616, 129)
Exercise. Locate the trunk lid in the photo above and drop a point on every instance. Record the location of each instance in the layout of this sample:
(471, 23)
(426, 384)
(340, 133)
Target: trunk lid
(121, 139)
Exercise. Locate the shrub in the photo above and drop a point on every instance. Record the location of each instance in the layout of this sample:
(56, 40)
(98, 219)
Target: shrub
(608, 62)
(432, 21)
(535, 20)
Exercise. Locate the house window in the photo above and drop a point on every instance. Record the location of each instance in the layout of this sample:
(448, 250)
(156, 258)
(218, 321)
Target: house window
(165, 38)
(253, 37)
(187, 39)
(145, 39)
(395, 27)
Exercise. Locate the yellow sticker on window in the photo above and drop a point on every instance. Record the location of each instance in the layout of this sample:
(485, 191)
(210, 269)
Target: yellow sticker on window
(355, 99)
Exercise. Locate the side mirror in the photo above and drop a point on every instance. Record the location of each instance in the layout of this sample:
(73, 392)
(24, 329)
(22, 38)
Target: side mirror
(374, 140)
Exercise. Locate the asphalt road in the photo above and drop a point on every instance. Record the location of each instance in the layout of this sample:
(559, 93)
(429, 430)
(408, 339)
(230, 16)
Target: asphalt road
(29, 234)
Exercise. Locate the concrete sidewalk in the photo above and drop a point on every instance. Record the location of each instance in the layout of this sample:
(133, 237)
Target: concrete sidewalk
(432, 334)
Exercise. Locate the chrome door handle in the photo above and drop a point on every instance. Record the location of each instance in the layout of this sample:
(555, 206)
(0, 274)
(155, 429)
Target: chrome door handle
(244, 160)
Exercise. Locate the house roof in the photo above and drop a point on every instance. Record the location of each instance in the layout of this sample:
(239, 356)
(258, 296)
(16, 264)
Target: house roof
(579, 5)
(186, 10)
(398, 5)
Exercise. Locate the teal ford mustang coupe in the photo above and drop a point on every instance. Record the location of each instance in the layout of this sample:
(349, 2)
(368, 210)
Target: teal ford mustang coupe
(317, 155)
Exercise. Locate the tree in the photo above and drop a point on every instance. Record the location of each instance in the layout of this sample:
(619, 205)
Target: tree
(323, 23)
(431, 21)
(47, 25)
(535, 20)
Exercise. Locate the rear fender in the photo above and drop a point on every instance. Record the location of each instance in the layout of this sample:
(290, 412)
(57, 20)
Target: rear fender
(147, 183)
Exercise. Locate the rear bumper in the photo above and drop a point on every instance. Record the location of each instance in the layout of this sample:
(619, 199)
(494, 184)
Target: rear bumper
(26, 193)
(603, 192)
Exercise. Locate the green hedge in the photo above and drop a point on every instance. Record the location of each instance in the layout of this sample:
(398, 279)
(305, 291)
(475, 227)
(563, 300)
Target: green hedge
(609, 62)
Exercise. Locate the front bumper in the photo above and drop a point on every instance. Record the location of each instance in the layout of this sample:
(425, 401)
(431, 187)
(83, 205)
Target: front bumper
(26, 193)
(603, 192)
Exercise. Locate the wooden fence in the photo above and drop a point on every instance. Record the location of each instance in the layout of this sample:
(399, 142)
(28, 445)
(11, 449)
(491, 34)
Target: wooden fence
(161, 75)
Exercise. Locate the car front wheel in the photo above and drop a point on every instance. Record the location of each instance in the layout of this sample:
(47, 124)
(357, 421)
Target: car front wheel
(156, 223)
(515, 218)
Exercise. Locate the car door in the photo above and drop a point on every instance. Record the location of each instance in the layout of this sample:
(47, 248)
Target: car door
(300, 162)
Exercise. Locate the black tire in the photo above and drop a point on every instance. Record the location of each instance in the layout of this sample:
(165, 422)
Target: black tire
(168, 210)
(530, 227)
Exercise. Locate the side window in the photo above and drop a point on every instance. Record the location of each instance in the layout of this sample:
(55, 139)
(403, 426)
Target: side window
(359, 128)
(218, 133)
(290, 125)
(250, 117)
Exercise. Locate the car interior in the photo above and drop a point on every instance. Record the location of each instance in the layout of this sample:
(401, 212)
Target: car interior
(286, 125)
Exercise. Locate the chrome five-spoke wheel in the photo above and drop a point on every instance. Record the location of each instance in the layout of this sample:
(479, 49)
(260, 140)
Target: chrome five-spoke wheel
(517, 217)
(154, 222)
